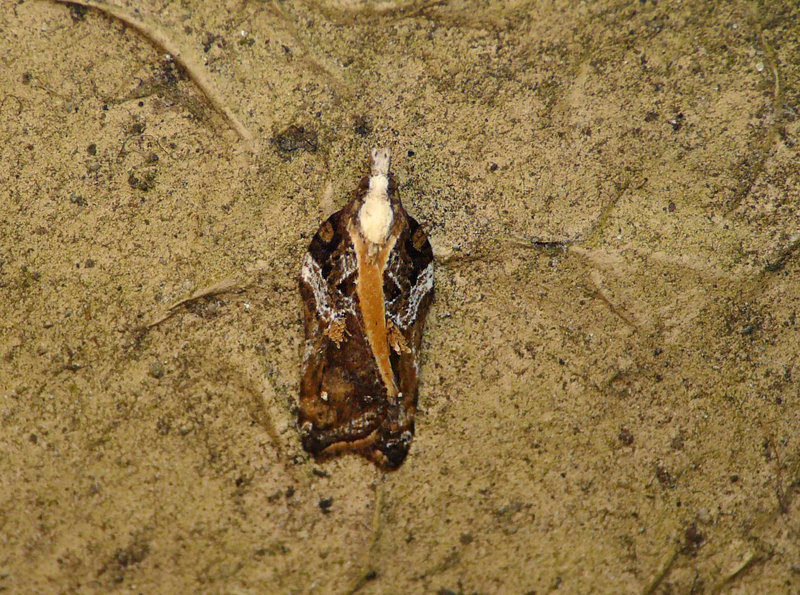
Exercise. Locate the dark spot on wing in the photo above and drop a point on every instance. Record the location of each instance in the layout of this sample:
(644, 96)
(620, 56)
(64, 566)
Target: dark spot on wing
(325, 241)
(347, 286)
(418, 249)
(417, 243)
(326, 232)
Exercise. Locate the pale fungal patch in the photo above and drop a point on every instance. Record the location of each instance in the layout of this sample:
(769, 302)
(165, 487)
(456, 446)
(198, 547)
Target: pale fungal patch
(375, 215)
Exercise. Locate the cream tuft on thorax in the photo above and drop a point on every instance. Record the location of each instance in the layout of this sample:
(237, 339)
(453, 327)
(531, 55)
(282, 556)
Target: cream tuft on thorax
(375, 216)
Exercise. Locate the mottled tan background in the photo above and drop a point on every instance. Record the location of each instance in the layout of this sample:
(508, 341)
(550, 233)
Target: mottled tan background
(611, 382)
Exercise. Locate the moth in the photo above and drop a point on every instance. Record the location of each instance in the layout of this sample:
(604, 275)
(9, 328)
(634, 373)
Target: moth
(366, 284)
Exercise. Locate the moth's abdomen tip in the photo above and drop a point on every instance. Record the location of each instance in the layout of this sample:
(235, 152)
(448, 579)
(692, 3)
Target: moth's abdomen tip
(395, 450)
(395, 453)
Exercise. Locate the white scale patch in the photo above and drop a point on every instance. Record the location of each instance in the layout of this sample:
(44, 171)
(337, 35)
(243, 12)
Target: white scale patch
(349, 264)
(312, 274)
(309, 351)
(422, 287)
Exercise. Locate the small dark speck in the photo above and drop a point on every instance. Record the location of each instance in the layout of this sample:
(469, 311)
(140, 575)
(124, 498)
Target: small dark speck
(162, 426)
(694, 538)
(734, 478)
(676, 122)
(371, 575)
(325, 504)
(658, 351)
(144, 181)
(290, 491)
(141, 104)
(92, 149)
(77, 200)
(77, 13)
(410, 153)
(362, 125)
(664, 477)
(156, 370)
(493, 167)
(33, 438)
(625, 436)
(671, 207)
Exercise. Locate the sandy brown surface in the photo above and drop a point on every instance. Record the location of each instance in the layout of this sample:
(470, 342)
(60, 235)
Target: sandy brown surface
(610, 392)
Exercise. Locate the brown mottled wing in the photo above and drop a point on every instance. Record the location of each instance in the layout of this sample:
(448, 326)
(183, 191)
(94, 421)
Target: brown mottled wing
(408, 281)
(342, 399)
(408, 292)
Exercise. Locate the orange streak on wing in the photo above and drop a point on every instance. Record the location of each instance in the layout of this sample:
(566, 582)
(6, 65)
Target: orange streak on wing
(370, 296)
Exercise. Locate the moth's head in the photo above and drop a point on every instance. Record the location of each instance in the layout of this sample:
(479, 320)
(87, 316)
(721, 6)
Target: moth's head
(380, 160)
